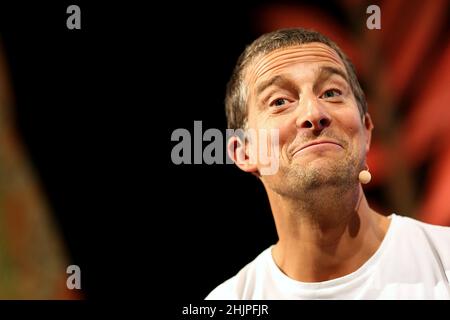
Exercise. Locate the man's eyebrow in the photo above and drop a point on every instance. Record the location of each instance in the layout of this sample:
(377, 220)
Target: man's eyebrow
(325, 73)
(278, 80)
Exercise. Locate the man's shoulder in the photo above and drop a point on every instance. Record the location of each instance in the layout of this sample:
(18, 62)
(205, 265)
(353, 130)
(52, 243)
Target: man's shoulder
(225, 291)
(236, 287)
(437, 237)
(436, 233)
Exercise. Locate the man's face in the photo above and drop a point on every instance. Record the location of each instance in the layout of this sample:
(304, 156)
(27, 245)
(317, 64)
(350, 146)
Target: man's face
(303, 91)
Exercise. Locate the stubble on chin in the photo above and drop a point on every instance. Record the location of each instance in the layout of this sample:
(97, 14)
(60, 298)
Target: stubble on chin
(303, 179)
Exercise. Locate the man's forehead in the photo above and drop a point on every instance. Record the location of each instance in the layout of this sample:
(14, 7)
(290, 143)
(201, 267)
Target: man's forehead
(314, 52)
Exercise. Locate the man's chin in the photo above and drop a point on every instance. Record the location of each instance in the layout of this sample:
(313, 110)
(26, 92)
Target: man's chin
(323, 172)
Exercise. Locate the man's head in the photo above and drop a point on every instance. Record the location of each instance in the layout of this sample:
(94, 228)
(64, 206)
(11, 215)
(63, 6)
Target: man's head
(299, 82)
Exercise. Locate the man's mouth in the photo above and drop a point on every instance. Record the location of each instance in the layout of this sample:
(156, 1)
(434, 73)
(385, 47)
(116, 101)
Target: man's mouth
(317, 144)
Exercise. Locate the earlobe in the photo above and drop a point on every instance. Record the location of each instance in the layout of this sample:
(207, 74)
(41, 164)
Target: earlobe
(238, 152)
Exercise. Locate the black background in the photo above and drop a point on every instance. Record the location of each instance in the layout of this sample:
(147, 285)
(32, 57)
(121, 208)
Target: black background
(77, 112)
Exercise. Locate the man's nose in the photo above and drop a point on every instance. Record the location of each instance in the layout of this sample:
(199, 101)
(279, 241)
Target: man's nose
(312, 115)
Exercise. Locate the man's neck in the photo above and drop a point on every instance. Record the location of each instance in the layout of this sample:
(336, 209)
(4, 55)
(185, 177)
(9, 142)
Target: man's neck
(330, 235)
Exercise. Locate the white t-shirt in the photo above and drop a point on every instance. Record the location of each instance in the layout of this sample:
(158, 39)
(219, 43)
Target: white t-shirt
(412, 262)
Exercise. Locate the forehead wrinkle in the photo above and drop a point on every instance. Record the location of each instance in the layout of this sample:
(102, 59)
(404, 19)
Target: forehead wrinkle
(283, 56)
(291, 54)
(284, 63)
(305, 47)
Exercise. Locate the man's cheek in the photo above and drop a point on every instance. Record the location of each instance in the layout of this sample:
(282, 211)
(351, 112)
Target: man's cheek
(286, 135)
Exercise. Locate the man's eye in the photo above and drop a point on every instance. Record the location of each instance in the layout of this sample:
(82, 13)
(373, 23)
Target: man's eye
(279, 102)
(331, 93)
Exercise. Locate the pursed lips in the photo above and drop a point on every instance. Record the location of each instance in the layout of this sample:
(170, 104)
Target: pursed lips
(313, 143)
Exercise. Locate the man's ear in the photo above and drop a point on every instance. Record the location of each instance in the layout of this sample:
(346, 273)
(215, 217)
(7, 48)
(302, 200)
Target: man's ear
(239, 152)
(368, 127)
